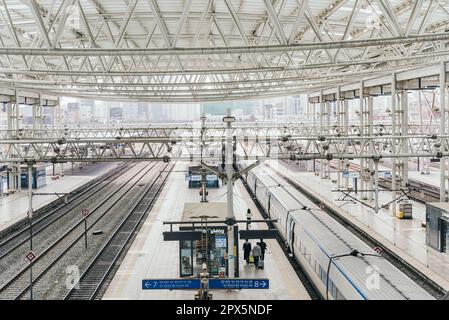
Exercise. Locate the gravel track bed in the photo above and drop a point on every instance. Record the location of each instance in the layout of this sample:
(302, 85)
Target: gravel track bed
(17, 261)
(61, 217)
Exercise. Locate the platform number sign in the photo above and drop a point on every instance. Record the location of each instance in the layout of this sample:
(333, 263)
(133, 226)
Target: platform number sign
(85, 211)
(30, 256)
(378, 250)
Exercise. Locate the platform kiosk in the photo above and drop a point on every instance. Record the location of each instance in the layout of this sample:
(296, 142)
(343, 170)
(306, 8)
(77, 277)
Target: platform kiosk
(437, 226)
(212, 246)
(203, 239)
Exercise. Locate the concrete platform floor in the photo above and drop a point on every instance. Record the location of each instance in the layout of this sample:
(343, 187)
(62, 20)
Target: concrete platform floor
(151, 257)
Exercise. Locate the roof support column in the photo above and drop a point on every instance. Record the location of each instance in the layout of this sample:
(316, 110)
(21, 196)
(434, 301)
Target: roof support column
(404, 132)
(16, 176)
(34, 117)
(56, 121)
(345, 132)
(322, 133)
(424, 161)
(10, 117)
(370, 120)
(394, 132)
(328, 109)
(443, 130)
(16, 111)
(362, 131)
(338, 110)
(10, 121)
(314, 114)
(308, 108)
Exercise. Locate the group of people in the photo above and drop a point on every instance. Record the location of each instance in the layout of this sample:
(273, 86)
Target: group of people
(254, 254)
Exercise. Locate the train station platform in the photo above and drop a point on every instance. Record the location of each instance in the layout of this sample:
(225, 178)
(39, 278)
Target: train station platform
(14, 207)
(406, 237)
(150, 257)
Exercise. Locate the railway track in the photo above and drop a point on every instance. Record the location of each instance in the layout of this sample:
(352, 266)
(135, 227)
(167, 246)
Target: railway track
(12, 241)
(420, 278)
(69, 245)
(92, 283)
(60, 203)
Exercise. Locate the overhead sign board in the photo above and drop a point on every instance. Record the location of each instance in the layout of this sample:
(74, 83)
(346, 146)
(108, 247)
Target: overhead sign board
(258, 234)
(351, 174)
(171, 284)
(239, 283)
(182, 235)
(214, 283)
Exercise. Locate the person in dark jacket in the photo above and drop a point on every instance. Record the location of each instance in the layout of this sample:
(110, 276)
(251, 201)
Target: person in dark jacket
(263, 248)
(246, 250)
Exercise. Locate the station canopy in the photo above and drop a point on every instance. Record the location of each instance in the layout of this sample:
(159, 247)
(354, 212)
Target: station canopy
(212, 50)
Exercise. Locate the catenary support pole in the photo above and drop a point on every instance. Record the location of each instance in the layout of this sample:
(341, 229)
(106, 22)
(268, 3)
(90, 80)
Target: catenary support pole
(230, 195)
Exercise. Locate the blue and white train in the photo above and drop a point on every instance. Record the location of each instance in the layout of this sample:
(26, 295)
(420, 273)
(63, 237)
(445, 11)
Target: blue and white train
(314, 237)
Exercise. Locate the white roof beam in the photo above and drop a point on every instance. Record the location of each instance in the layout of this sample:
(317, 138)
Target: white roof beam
(160, 21)
(301, 10)
(228, 50)
(274, 18)
(184, 15)
(40, 23)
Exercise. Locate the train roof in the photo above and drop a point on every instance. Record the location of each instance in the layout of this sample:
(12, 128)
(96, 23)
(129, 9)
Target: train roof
(265, 178)
(334, 239)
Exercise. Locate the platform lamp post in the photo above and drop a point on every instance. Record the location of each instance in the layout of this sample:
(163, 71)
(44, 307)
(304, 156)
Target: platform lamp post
(229, 119)
(30, 162)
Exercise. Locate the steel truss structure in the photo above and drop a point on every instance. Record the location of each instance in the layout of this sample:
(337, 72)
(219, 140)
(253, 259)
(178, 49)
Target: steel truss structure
(397, 85)
(212, 50)
(194, 147)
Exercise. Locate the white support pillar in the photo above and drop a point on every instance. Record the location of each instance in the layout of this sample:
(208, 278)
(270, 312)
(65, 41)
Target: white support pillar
(345, 132)
(10, 118)
(394, 133)
(307, 110)
(443, 130)
(40, 113)
(322, 113)
(404, 132)
(328, 108)
(370, 120)
(314, 115)
(18, 184)
(59, 114)
(338, 107)
(17, 110)
(424, 161)
(376, 185)
(230, 194)
(34, 117)
(363, 162)
(10, 121)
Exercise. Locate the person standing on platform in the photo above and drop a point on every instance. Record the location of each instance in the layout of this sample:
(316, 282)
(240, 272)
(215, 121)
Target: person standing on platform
(246, 250)
(257, 252)
(263, 248)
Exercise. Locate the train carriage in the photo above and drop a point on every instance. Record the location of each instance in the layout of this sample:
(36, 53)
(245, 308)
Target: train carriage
(314, 238)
